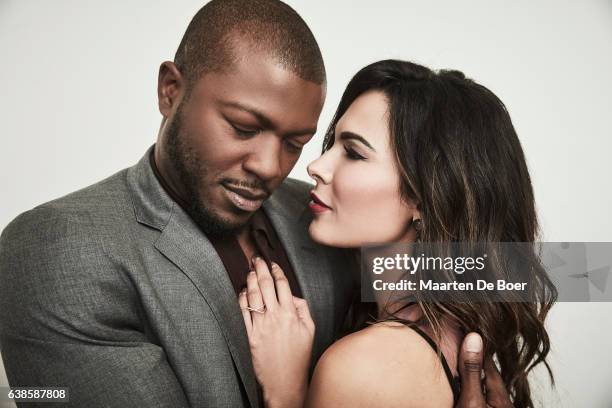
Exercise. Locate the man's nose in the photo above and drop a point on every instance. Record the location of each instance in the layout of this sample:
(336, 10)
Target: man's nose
(264, 159)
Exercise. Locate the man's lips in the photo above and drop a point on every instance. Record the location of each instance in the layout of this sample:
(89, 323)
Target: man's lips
(245, 199)
(317, 205)
(247, 193)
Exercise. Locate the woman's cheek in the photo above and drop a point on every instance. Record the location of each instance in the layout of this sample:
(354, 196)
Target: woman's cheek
(369, 207)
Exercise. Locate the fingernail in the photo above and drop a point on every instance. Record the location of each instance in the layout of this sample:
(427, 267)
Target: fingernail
(274, 265)
(255, 258)
(473, 343)
(251, 272)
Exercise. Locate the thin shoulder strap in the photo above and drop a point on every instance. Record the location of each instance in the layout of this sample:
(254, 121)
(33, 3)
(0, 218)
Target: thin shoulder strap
(453, 381)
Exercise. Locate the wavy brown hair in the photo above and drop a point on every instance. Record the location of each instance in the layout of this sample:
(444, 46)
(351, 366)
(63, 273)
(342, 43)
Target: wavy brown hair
(461, 162)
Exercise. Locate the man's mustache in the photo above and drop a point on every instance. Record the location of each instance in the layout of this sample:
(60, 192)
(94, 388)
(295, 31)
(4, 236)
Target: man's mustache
(256, 185)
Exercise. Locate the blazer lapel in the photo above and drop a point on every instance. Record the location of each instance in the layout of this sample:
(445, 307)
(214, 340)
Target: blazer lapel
(312, 272)
(182, 242)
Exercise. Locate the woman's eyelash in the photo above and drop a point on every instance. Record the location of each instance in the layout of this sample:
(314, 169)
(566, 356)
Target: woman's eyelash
(352, 154)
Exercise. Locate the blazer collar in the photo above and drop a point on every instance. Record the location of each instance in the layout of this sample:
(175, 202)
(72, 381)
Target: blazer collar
(152, 205)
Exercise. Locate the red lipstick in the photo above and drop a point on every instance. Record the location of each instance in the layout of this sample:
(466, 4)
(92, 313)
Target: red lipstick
(317, 205)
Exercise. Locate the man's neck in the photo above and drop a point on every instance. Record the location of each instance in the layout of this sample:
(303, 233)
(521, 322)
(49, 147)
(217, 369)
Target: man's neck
(165, 175)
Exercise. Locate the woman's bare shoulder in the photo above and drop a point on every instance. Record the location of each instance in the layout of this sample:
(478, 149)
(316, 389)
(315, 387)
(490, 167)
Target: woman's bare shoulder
(386, 364)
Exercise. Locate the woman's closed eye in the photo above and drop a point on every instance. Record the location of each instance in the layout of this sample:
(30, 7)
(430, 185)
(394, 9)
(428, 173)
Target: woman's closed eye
(352, 153)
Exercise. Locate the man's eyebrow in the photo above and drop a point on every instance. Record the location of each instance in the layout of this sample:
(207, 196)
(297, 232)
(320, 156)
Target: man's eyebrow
(346, 135)
(261, 118)
(265, 121)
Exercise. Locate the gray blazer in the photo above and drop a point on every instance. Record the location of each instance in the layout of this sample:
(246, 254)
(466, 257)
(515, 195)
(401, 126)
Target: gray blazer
(114, 292)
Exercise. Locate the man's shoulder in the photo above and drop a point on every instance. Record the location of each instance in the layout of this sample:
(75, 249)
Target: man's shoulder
(69, 242)
(294, 191)
(98, 204)
(105, 195)
(290, 198)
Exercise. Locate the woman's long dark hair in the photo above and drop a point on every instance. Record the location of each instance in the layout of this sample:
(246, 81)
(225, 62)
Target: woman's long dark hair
(461, 162)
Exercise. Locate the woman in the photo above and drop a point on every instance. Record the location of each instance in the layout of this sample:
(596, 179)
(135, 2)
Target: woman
(411, 155)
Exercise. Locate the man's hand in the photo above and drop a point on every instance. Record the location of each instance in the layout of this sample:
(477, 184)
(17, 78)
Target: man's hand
(470, 368)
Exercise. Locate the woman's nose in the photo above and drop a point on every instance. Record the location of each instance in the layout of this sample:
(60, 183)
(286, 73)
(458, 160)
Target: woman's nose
(318, 170)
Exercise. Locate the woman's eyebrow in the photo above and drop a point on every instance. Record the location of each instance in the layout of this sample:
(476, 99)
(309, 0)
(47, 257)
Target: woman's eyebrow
(346, 135)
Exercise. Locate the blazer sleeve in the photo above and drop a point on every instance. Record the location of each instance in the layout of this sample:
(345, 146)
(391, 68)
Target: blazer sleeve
(69, 316)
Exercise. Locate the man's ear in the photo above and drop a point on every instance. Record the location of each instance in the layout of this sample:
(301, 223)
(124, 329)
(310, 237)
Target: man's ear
(170, 84)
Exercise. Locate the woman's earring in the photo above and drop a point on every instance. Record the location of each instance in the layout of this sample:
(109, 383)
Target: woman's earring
(418, 227)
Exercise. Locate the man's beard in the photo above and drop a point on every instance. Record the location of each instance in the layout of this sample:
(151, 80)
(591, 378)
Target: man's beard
(192, 172)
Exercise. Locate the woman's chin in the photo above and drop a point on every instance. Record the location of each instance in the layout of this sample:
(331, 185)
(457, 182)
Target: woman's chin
(327, 237)
(321, 235)
(315, 234)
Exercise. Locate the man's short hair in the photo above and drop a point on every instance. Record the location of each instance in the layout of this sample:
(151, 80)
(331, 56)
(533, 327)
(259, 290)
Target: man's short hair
(268, 26)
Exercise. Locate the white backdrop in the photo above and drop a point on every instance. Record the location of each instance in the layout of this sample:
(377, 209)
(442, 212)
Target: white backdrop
(79, 103)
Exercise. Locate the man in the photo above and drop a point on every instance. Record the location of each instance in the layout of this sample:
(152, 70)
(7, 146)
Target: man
(125, 291)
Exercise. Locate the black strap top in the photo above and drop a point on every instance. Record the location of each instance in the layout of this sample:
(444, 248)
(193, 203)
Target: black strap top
(455, 382)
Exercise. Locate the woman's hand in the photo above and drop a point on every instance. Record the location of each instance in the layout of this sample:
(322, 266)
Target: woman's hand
(281, 334)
